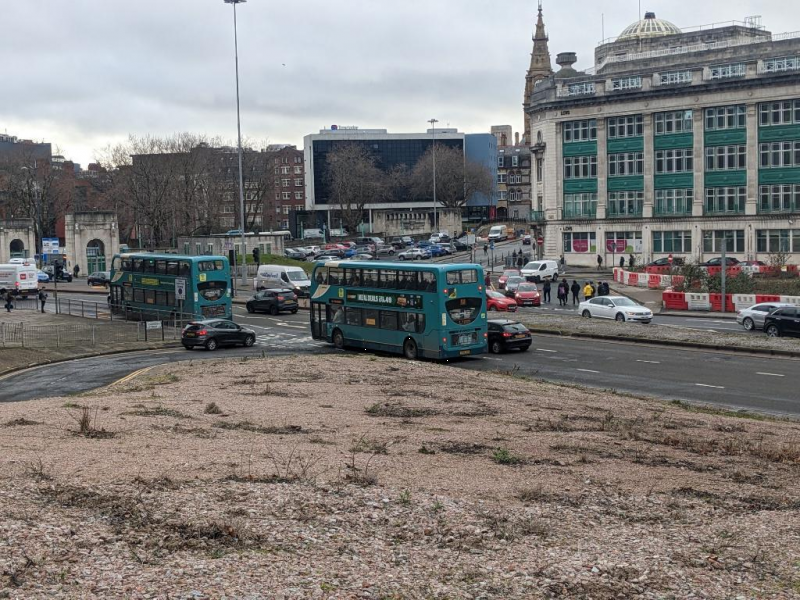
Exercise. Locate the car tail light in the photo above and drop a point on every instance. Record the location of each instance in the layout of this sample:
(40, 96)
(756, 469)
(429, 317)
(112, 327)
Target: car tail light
(506, 334)
(280, 298)
(202, 332)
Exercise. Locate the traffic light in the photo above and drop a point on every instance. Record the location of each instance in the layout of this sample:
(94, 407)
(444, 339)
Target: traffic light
(257, 255)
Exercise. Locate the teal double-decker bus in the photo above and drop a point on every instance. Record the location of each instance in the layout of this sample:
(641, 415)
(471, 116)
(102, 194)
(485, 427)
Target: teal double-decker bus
(421, 310)
(170, 286)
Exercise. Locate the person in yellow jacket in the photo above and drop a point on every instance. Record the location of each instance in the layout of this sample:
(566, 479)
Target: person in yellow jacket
(588, 291)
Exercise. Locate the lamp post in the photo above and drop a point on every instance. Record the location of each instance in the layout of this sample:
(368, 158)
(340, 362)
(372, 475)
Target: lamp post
(239, 131)
(433, 123)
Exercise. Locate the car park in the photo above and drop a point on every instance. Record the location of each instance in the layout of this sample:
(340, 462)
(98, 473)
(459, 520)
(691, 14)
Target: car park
(497, 301)
(783, 321)
(273, 301)
(753, 317)
(445, 248)
(435, 250)
(512, 283)
(539, 270)
(214, 333)
(618, 308)
(501, 281)
(717, 262)
(99, 278)
(414, 254)
(505, 335)
(438, 238)
(527, 294)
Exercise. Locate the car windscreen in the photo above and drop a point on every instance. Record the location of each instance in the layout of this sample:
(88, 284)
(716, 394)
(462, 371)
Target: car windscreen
(532, 266)
(297, 275)
(624, 302)
(515, 328)
(493, 294)
(464, 310)
(527, 287)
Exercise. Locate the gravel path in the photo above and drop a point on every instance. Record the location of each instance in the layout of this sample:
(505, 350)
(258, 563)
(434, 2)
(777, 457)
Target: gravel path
(360, 477)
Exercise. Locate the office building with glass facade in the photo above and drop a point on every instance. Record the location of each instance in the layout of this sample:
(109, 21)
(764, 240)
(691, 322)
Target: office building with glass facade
(675, 142)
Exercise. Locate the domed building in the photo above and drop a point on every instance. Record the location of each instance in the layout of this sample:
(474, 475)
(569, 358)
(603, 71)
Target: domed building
(675, 142)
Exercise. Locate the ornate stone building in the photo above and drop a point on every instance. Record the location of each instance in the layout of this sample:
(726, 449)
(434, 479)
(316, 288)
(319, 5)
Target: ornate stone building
(675, 142)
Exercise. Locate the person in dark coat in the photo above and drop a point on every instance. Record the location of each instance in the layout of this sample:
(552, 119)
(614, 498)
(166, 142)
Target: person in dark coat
(42, 297)
(576, 290)
(520, 261)
(546, 289)
(631, 261)
(563, 292)
(75, 271)
(9, 301)
(621, 262)
(599, 262)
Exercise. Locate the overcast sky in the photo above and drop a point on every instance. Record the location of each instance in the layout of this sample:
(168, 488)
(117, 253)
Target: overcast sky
(85, 73)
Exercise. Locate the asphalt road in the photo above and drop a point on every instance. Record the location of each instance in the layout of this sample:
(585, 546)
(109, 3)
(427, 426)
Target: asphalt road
(729, 380)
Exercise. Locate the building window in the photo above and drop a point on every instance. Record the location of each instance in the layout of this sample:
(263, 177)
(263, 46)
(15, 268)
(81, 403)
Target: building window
(580, 206)
(286, 209)
(298, 159)
(502, 195)
(298, 195)
(285, 182)
(779, 65)
(515, 179)
(625, 204)
(726, 117)
(625, 127)
(286, 195)
(676, 121)
(581, 89)
(732, 240)
(580, 167)
(626, 83)
(298, 170)
(779, 113)
(674, 161)
(778, 240)
(728, 71)
(580, 131)
(726, 158)
(779, 198)
(500, 162)
(779, 154)
(284, 170)
(539, 168)
(676, 77)
(515, 196)
(678, 242)
(298, 182)
(622, 241)
(580, 242)
(515, 161)
(725, 200)
(501, 177)
(674, 202)
(625, 164)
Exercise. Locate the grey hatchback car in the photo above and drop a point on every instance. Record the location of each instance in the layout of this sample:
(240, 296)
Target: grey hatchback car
(752, 318)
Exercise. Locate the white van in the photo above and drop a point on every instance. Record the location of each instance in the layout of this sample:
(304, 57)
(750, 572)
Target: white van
(280, 277)
(498, 233)
(21, 279)
(539, 270)
(313, 234)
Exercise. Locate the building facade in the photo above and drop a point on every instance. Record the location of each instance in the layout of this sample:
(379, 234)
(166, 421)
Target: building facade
(678, 142)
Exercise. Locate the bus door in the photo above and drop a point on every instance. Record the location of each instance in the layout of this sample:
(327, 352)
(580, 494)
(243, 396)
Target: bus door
(319, 320)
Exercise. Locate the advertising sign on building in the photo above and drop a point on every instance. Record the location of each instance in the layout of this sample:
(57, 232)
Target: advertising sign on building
(50, 246)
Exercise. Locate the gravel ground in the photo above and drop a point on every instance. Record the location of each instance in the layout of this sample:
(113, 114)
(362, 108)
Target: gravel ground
(570, 325)
(361, 477)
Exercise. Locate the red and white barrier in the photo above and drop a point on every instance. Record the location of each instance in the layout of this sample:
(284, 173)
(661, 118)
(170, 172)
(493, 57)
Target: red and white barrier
(713, 302)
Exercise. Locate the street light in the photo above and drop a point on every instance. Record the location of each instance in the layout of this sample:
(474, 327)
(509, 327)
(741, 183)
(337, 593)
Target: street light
(433, 123)
(239, 130)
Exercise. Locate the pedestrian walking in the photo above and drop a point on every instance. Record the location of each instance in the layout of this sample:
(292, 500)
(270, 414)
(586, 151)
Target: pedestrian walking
(562, 292)
(546, 289)
(9, 301)
(520, 261)
(599, 262)
(600, 288)
(606, 289)
(75, 271)
(576, 290)
(621, 262)
(588, 291)
(485, 249)
(563, 263)
(514, 256)
(631, 261)
(42, 297)
(487, 280)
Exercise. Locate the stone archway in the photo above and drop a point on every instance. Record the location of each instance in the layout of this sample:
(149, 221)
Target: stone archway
(95, 256)
(17, 248)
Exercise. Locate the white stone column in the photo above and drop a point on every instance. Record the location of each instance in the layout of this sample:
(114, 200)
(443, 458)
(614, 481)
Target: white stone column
(699, 163)
(649, 166)
(602, 168)
(752, 159)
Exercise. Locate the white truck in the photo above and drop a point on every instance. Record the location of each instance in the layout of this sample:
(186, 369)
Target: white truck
(20, 279)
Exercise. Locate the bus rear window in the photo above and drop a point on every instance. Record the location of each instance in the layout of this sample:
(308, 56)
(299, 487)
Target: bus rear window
(462, 276)
(464, 310)
(212, 290)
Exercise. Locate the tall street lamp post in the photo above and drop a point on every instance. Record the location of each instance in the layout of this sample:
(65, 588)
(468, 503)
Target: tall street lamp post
(239, 131)
(433, 123)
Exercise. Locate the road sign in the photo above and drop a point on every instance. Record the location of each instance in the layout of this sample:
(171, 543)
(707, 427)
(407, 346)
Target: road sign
(180, 288)
(154, 325)
(491, 245)
(50, 246)
(540, 240)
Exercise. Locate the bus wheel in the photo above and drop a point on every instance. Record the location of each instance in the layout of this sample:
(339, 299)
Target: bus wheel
(338, 339)
(410, 349)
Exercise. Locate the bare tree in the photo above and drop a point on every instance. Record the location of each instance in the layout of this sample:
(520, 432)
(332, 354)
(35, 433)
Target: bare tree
(354, 180)
(457, 178)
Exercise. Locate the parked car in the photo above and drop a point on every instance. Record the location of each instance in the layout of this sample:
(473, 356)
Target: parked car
(501, 281)
(512, 283)
(385, 251)
(526, 240)
(527, 294)
(752, 266)
(717, 262)
(505, 335)
(273, 301)
(619, 308)
(99, 278)
(539, 270)
(335, 254)
(497, 301)
(438, 238)
(323, 258)
(783, 321)
(754, 316)
(41, 276)
(414, 254)
(460, 246)
(294, 253)
(435, 250)
(361, 256)
(213, 333)
(445, 248)
(677, 261)
(397, 243)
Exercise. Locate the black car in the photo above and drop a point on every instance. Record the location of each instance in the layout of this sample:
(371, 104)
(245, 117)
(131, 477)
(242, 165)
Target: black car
(99, 278)
(273, 302)
(512, 283)
(62, 276)
(783, 321)
(460, 246)
(505, 335)
(717, 262)
(213, 333)
(332, 253)
(664, 262)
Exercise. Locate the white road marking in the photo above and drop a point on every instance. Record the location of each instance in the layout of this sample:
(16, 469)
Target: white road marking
(771, 374)
(545, 350)
(717, 387)
(296, 326)
(649, 362)
(587, 371)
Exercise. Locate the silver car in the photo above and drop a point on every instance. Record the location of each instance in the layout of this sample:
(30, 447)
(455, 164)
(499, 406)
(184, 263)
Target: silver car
(752, 318)
(618, 308)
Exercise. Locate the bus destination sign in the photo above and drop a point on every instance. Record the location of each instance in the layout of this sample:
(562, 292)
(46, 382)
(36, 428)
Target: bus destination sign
(385, 299)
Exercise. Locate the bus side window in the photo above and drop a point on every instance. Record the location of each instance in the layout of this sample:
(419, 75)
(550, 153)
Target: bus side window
(126, 264)
(161, 267)
(172, 267)
(353, 316)
(408, 322)
(420, 323)
(127, 293)
(219, 265)
(336, 314)
(389, 320)
(428, 282)
(149, 265)
(185, 269)
(388, 279)
(137, 265)
(322, 276)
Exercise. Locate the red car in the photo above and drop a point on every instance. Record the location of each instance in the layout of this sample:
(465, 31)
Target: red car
(497, 301)
(501, 282)
(336, 247)
(527, 294)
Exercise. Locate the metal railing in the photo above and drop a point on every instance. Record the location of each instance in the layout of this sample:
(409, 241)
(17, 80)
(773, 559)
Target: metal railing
(69, 335)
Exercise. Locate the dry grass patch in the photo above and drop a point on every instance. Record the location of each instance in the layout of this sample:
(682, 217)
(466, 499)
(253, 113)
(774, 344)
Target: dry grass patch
(398, 410)
(254, 428)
